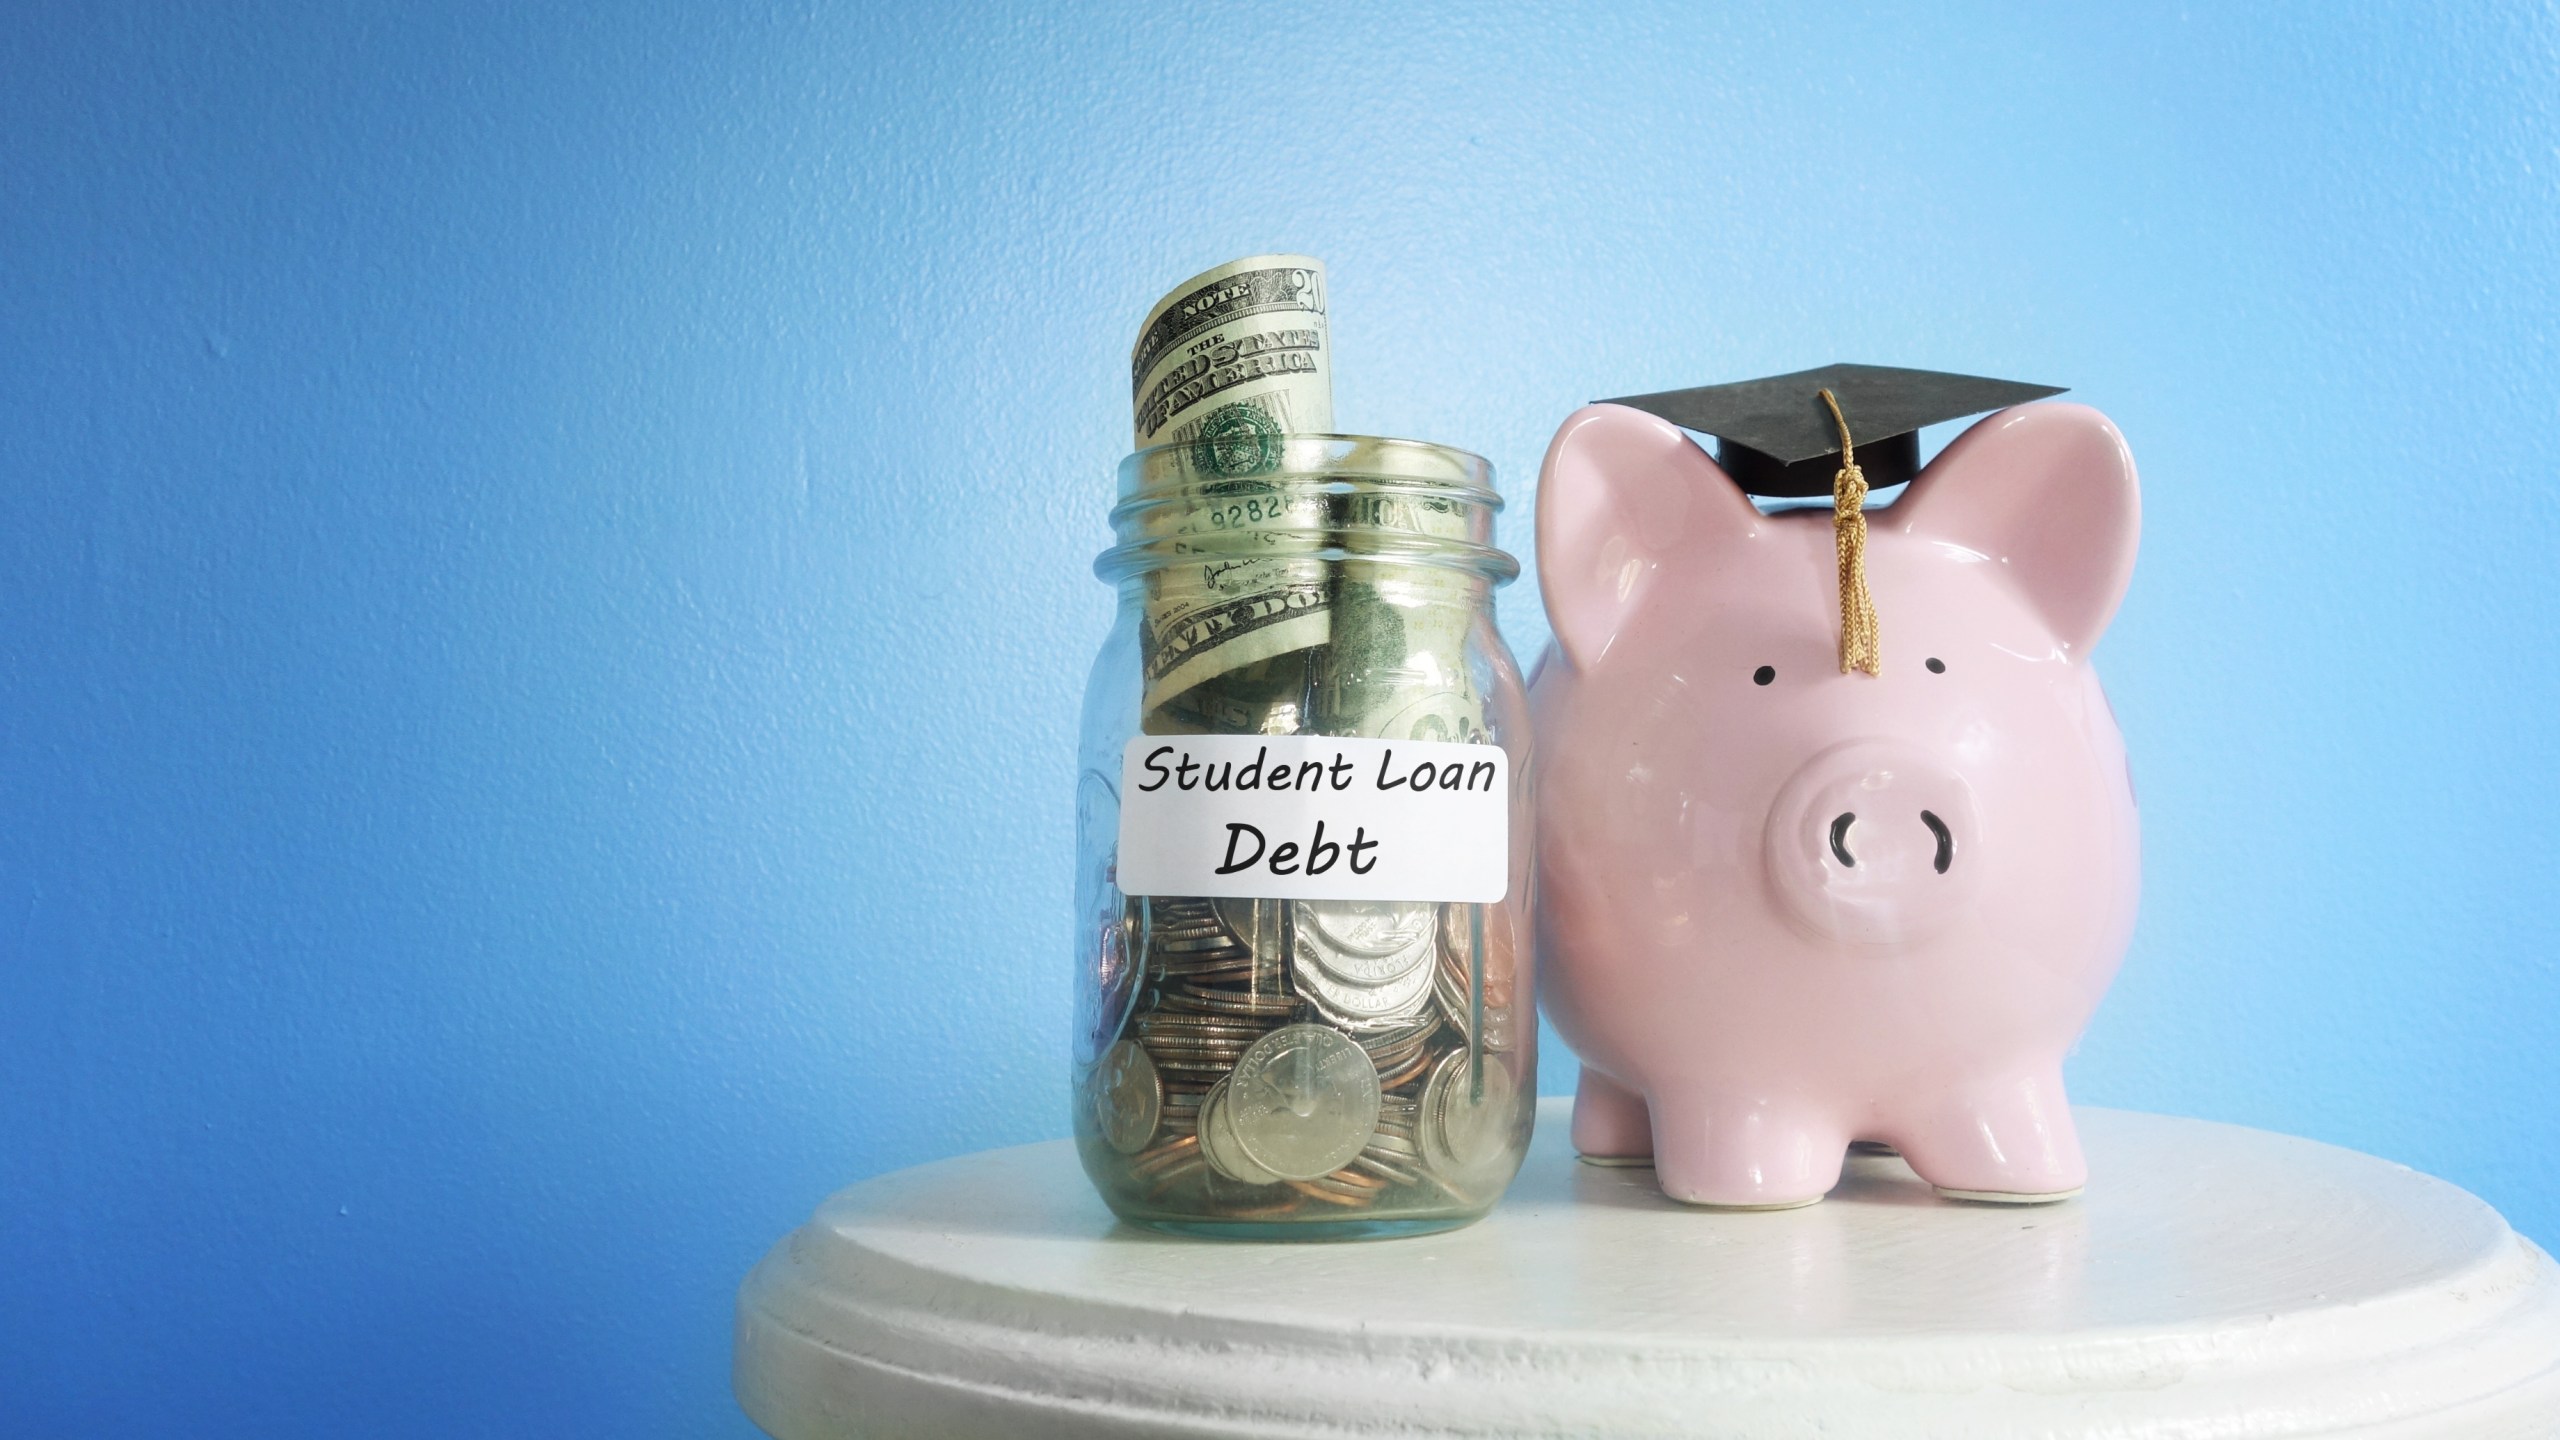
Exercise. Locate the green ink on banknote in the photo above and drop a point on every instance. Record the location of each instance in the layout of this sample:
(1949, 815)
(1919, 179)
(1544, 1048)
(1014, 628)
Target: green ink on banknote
(1237, 439)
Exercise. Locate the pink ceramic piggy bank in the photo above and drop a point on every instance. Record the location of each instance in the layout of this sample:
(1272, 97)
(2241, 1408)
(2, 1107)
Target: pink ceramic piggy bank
(1781, 908)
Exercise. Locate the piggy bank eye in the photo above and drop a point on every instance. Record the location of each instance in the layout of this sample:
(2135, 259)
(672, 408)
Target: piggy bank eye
(1937, 666)
(1764, 675)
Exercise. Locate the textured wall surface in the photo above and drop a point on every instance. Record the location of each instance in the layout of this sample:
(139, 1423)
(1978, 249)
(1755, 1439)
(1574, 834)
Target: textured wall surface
(543, 591)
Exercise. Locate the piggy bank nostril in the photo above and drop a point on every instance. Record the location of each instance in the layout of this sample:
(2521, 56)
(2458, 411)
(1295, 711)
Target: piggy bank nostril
(1848, 850)
(1840, 839)
(1946, 840)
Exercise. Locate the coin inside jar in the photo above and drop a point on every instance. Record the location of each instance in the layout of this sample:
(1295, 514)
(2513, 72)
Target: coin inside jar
(1302, 1101)
(1218, 1145)
(1256, 924)
(1462, 1131)
(1367, 1008)
(1128, 1098)
(1451, 977)
(1501, 947)
(1192, 996)
(1362, 942)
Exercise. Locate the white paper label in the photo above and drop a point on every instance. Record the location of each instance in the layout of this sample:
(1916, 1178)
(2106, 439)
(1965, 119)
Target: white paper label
(1310, 817)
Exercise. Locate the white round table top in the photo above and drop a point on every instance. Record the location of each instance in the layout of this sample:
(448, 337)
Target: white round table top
(2214, 1281)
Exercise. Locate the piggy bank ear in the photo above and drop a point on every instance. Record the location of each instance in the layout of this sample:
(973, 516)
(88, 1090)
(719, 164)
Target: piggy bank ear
(1623, 497)
(2047, 493)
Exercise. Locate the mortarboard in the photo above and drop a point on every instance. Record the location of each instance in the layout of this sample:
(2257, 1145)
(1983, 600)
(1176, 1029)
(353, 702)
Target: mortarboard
(1776, 438)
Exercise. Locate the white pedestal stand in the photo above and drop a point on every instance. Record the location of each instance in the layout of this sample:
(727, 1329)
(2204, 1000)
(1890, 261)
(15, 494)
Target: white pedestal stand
(2214, 1282)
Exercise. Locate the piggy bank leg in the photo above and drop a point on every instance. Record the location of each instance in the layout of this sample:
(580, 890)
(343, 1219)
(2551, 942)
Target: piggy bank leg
(2008, 1141)
(1743, 1154)
(1610, 1126)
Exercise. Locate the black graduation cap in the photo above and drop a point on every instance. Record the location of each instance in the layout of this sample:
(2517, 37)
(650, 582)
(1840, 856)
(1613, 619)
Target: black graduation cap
(1775, 437)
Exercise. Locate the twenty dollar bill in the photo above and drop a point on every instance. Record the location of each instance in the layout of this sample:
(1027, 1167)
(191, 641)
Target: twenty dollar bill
(1226, 364)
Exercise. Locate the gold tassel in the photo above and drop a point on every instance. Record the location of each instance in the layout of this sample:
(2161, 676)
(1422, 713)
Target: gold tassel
(1859, 645)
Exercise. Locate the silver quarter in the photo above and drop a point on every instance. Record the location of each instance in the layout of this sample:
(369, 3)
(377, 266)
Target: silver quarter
(1362, 942)
(1302, 1102)
(1375, 928)
(1367, 1009)
(1218, 1144)
(1255, 924)
(1385, 1169)
(1462, 1132)
(1393, 1147)
(1128, 1098)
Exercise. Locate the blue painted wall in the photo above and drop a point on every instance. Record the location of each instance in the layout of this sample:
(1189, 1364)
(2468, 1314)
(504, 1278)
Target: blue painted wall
(543, 593)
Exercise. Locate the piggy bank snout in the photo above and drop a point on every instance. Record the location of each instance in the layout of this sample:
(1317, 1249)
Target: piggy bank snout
(1873, 842)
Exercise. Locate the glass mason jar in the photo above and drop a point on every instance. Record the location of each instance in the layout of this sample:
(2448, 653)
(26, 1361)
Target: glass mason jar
(1304, 994)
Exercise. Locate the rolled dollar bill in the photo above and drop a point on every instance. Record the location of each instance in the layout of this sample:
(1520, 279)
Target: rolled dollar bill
(1226, 366)
(1227, 363)
(1237, 354)
(1394, 665)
